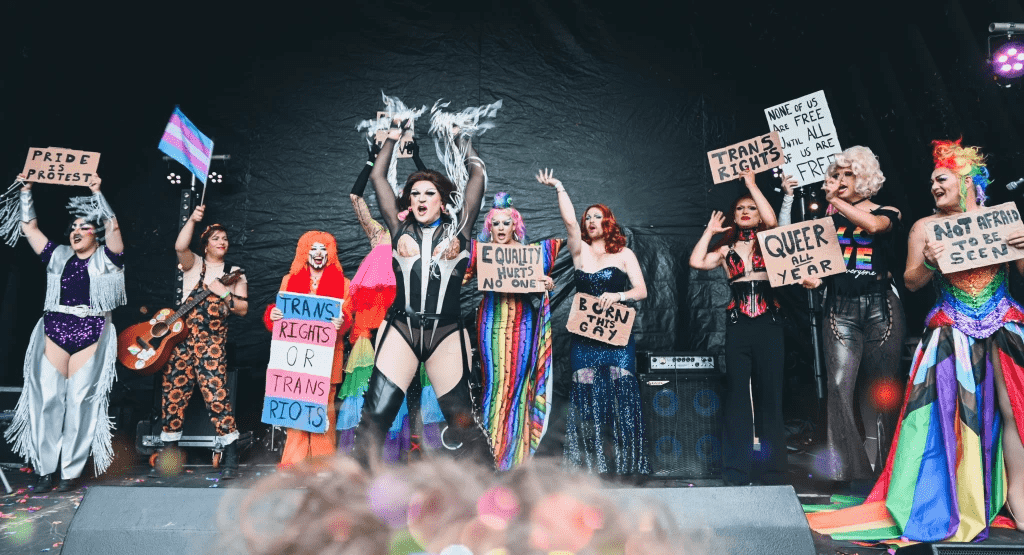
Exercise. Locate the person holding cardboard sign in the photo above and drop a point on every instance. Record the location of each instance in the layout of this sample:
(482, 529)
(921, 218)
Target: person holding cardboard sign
(514, 334)
(604, 421)
(61, 416)
(754, 337)
(430, 225)
(863, 336)
(957, 457)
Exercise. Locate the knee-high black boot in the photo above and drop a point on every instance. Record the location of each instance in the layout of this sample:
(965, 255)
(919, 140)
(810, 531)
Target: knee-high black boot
(463, 435)
(381, 403)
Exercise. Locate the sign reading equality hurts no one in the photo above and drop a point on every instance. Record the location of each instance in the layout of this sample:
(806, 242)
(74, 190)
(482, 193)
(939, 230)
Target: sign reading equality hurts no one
(978, 238)
(611, 325)
(758, 154)
(806, 249)
(808, 136)
(62, 166)
(509, 268)
(301, 358)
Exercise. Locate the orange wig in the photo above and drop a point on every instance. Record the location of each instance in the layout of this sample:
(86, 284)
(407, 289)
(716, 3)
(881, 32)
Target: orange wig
(306, 243)
(614, 240)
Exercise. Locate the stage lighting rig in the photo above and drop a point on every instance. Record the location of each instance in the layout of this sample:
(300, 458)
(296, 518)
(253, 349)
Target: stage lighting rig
(1006, 52)
(215, 177)
(174, 178)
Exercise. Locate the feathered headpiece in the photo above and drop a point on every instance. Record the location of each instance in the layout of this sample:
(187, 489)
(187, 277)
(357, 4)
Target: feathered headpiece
(503, 202)
(394, 108)
(965, 161)
(94, 210)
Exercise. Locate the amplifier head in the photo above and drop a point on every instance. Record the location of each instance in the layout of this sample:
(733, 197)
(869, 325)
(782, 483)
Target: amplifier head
(670, 361)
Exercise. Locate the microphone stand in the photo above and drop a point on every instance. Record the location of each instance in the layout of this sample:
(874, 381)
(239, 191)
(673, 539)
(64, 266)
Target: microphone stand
(814, 308)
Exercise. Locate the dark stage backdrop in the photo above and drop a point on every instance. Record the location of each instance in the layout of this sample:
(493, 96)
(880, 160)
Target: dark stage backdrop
(623, 102)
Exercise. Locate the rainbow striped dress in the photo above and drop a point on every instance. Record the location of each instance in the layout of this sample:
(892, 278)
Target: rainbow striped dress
(944, 478)
(514, 333)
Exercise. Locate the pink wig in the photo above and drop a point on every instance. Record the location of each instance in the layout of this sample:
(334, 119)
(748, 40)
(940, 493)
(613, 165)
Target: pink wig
(503, 204)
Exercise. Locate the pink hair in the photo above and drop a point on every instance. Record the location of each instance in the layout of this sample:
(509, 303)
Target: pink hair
(518, 227)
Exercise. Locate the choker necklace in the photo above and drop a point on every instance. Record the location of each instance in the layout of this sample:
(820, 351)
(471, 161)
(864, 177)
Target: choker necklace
(436, 223)
(747, 235)
(858, 202)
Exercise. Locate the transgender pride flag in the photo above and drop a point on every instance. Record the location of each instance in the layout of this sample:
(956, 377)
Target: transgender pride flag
(185, 143)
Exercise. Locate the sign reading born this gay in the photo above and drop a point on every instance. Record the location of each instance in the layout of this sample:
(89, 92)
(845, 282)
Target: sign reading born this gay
(612, 325)
(509, 268)
(808, 136)
(807, 249)
(62, 166)
(758, 154)
(301, 357)
(978, 238)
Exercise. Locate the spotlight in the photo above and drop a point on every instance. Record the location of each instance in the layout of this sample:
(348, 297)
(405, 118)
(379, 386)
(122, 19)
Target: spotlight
(215, 177)
(1006, 52)
(174, 178)
(1003, 56)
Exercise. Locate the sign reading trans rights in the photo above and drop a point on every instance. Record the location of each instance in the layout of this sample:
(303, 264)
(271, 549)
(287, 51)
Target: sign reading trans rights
(808, 136)
(978, 238)
(806, 249)
(301, 358)
(758, 154)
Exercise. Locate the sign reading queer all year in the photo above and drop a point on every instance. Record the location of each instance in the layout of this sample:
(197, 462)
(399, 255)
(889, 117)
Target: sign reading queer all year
(978, 238)
(808, 136)
(301, 357)
(806, 249)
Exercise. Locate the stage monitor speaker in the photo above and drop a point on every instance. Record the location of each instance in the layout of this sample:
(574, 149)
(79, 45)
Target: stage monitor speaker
(990, 546)
(682, 414)
(155, 521)
(766, 520)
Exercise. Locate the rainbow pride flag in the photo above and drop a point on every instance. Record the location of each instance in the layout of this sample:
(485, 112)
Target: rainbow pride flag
(184, 142)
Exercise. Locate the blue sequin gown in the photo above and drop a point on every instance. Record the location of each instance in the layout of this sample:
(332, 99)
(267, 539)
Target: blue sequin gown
(604, 414)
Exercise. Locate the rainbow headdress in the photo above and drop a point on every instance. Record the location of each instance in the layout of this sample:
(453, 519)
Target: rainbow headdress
(965, 161)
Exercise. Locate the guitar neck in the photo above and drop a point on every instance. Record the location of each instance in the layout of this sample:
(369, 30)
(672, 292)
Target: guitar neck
(185, 308)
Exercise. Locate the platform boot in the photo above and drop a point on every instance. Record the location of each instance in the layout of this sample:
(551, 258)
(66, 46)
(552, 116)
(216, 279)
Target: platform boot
(381, 403)
(463, 435)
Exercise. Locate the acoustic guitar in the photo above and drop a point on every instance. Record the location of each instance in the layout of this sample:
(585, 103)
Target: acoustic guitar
(146, 346)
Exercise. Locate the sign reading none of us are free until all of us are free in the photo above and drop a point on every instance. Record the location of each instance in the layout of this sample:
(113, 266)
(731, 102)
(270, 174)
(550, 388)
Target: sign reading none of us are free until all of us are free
(808, 136)
(301, 357)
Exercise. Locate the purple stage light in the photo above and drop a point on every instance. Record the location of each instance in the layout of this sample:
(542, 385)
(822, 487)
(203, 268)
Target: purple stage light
(1008, 60)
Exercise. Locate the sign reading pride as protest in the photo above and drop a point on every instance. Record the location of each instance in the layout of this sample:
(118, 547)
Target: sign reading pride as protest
(977, 238)
(301, 358)
(611, 325)
(758, 154)
(62, 166)
(806, 249)
(808, 136)
(509, 268)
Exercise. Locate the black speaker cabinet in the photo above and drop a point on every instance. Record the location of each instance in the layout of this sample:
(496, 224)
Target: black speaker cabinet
(682, 413)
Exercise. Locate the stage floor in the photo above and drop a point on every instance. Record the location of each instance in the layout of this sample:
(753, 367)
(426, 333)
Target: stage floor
(31, 523)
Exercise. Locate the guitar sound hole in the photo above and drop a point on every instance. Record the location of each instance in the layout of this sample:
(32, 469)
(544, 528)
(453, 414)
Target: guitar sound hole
(160, 329)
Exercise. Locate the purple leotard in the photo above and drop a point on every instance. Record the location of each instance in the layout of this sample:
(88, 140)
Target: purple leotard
(68, 331)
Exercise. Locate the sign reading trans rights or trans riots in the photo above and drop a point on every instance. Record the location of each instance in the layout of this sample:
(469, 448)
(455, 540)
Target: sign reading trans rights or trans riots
(806, 249)
(808, 136)
(978, 238)
(62, 166)
(611, 325)
(758, 154)
(301, 357)
(509, 268)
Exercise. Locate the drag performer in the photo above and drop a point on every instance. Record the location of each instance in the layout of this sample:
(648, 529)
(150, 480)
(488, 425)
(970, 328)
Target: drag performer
(315, 270)
(514, 333)
(957, 456)
(753, 336)
(430, 225)
(864, 318)
(604, 420)
(202, 357)
(370, 296)
(70, 362)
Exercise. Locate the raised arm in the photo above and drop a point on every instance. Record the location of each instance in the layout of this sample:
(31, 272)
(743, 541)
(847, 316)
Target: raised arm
(764, 208)
(565, 208)
(700, 258)
(112, 233)
(379, 175)
(474, 194)
(415, 145)
(181, 245)
(920, 251)
(786, 211)
(29, 226)
(375, 232)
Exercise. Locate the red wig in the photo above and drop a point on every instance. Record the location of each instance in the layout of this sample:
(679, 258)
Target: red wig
(306, 243)
(614, 240)
(729, 238)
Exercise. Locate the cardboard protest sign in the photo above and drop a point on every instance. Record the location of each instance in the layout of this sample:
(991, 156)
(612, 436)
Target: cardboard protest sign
(806, 249)
(808, 136)
(404, 147)
(612, 325)
(509, 268)
(298, 387)
(978, 238)
(758, 154)
(62, 166)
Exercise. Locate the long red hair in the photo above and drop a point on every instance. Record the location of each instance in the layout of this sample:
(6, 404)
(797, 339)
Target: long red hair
(306, 243)
(729, 237)
(614, 240)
